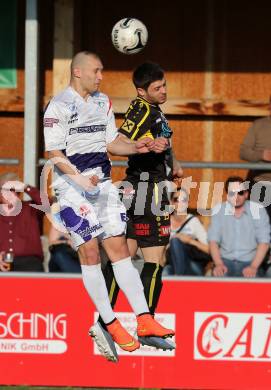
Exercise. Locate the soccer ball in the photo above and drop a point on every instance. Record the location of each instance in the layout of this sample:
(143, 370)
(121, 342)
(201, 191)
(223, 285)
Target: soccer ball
(129, 35)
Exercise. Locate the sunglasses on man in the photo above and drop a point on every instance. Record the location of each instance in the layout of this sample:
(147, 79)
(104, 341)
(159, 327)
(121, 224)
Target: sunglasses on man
(233, 193)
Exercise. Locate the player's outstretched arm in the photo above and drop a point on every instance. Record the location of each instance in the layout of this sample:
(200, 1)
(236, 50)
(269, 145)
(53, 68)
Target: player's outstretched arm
(123, 146)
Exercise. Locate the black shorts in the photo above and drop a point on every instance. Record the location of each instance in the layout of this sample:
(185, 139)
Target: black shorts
(148, 215)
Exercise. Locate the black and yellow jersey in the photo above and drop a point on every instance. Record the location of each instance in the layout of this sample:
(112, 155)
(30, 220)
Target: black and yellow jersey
(147, 120)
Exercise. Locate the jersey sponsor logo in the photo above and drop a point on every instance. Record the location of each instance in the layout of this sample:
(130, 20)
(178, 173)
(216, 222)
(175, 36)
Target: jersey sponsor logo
(164, 231)
(87, 129)
(142, 229)
(73, 118)
(128, 125)
(49, 122)
(88, 230)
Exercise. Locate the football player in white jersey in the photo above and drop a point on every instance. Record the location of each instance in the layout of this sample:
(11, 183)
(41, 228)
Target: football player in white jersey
(79, 129)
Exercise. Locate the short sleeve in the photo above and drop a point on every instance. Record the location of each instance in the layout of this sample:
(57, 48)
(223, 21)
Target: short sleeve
(111, 129)
(137, 120)
(54, 124)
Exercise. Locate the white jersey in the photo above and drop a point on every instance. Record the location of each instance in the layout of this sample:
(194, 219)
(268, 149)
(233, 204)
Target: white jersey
(81, 129)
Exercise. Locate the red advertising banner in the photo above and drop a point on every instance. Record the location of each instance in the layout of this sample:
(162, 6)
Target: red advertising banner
(223, 336)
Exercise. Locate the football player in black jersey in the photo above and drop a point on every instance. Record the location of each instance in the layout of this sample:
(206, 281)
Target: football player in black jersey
(145, 188)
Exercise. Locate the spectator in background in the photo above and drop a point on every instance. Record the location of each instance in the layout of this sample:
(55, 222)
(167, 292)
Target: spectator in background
(256, 147)
(239, 233)
(20, 225)
(188, 252)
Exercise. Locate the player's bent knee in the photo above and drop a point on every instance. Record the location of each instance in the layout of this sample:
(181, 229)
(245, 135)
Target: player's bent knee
(116, 248)
(89, 256)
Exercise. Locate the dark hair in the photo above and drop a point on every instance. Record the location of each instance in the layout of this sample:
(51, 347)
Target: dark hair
(233, 179)
(147, 73)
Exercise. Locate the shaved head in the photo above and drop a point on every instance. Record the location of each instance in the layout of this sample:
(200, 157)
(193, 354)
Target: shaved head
(86, 73)
(80, 59)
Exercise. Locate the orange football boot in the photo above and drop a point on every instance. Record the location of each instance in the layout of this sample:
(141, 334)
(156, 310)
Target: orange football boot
(120, 335)
(147, 326)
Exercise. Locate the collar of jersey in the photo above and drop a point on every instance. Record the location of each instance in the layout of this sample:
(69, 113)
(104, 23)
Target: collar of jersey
(146, 101)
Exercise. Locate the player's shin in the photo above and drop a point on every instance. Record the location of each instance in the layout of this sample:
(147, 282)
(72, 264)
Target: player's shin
(151, 277)
(95, 285)
(129, 282)
(112, 288)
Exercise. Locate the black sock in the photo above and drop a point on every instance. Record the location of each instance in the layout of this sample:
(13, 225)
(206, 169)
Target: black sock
(151, 277)
(112, 288)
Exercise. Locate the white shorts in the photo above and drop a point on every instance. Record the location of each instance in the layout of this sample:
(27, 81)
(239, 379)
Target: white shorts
(86, 216)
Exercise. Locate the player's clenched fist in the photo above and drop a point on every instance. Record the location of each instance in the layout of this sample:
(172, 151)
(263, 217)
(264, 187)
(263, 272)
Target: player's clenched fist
(144, 145)
(160, 145)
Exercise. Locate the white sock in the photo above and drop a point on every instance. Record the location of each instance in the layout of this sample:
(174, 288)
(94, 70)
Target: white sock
(130, 283)
(94, 283)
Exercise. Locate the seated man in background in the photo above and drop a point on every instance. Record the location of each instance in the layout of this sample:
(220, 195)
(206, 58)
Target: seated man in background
(20, 226)
(239, 233)
(188, 252)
